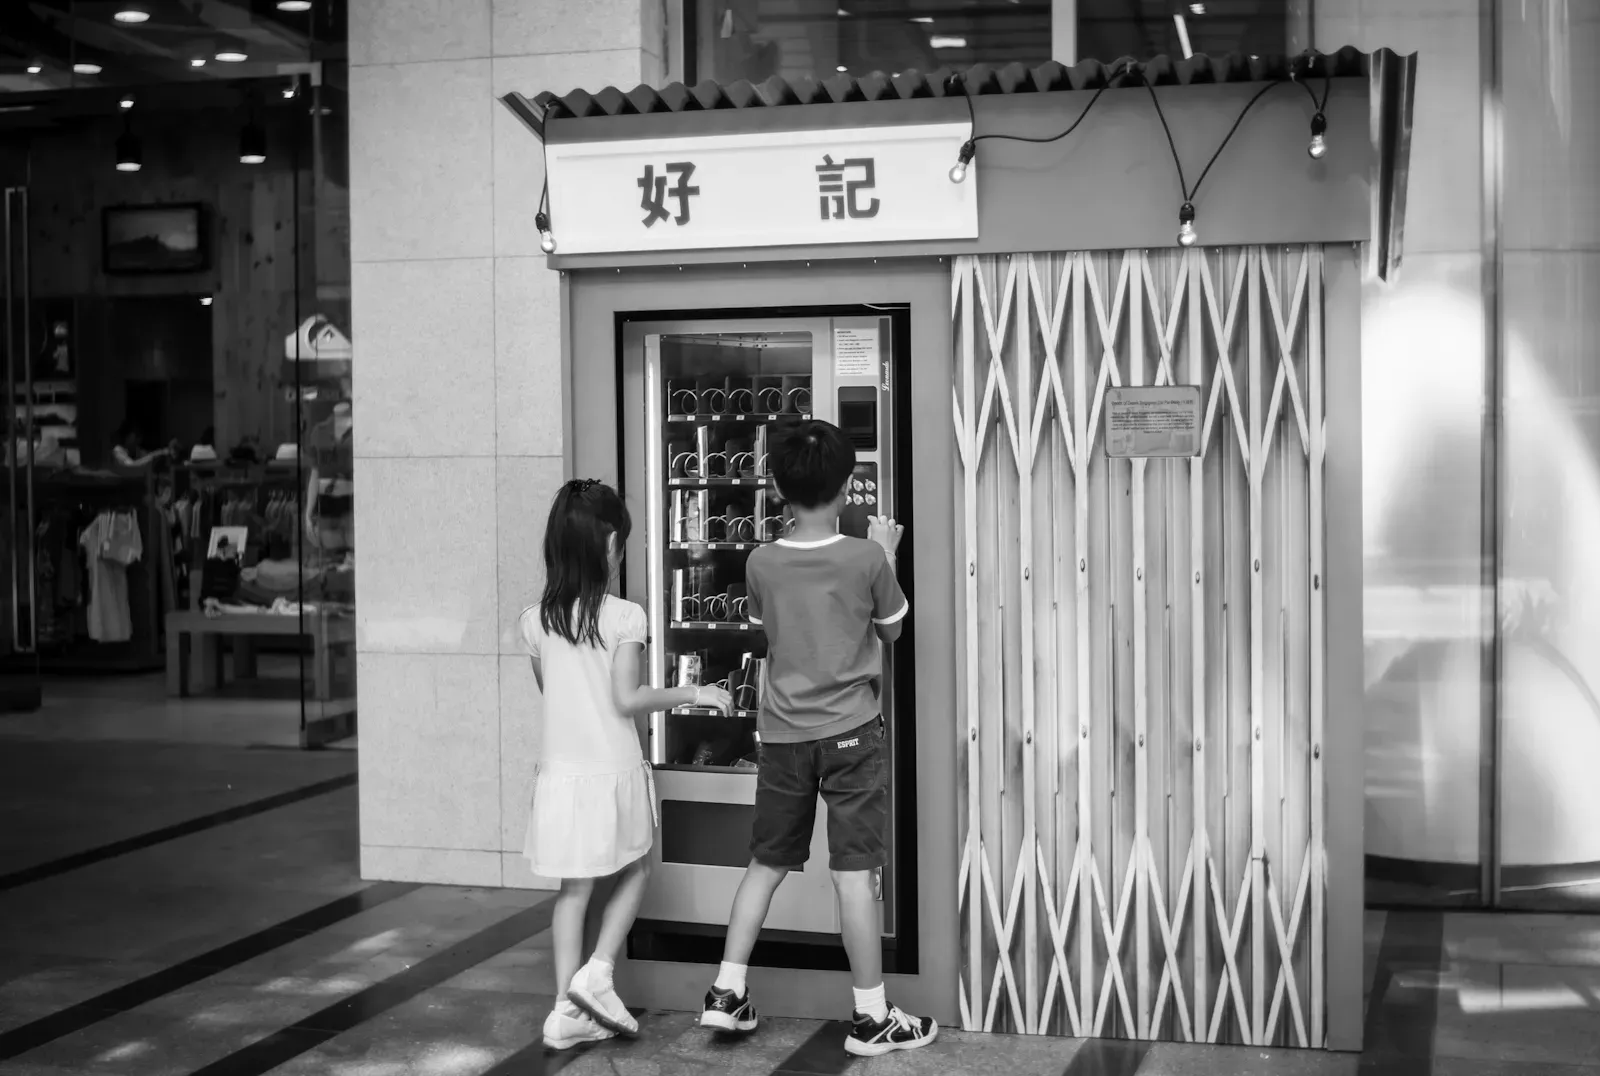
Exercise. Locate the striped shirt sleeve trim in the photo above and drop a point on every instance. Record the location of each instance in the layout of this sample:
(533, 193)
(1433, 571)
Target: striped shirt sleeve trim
(896, 618)
(753, 619)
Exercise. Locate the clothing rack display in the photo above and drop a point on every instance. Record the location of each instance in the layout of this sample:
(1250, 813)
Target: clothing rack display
(98, 573)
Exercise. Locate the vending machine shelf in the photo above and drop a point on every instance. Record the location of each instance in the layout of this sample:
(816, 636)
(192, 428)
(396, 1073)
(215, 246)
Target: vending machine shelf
(767, 418)
(720, 483)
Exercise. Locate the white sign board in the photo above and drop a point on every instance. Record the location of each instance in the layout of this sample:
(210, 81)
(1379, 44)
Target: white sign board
(855, 351)
(789, 188)
(1144, 420)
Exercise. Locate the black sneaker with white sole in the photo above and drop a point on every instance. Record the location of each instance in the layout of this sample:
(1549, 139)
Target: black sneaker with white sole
(726, 1011)
(897, 1031)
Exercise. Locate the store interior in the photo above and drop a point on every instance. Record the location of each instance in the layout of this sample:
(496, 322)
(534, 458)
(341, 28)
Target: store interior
(181, 559)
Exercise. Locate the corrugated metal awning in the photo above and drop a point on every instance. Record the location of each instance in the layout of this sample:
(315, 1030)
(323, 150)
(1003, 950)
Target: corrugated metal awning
(981, 80)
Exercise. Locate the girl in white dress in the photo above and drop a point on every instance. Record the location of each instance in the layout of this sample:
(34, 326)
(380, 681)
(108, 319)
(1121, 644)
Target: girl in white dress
(593, 808)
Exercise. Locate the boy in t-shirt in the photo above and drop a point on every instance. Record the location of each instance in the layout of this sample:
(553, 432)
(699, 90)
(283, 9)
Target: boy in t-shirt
(825, 600)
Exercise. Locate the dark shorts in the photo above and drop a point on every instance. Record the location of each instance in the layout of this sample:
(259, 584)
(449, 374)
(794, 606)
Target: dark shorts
(851, 771)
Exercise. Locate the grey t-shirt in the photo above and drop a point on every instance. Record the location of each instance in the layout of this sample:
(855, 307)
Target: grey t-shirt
(818, 602)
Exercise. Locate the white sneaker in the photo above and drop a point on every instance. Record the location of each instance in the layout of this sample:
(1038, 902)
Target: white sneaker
(567, 1027)
(592, 991)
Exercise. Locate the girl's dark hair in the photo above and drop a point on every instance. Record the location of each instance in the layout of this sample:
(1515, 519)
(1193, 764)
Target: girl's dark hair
(577, 573)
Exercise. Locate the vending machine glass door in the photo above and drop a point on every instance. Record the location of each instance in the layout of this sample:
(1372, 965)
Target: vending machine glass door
(701, 402)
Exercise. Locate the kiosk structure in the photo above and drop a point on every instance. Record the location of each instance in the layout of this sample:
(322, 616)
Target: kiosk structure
(1095, 332)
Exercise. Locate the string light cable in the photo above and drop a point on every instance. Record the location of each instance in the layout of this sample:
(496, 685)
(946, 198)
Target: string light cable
(969, 148)
(1317, 148)
(1187, 236)
(541, 219)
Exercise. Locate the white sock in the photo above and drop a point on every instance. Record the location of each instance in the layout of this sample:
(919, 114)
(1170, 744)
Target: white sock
(872, 1002)
(731, 977)
(603, 969)
(566, 1008)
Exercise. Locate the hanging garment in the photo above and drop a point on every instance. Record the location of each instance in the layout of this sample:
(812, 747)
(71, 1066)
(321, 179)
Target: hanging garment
(111, 543)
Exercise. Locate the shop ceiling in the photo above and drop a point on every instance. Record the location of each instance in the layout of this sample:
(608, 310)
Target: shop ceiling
(66, 60)
(51, 46)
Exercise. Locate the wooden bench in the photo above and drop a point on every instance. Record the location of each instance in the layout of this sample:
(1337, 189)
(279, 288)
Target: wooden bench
(194, 647)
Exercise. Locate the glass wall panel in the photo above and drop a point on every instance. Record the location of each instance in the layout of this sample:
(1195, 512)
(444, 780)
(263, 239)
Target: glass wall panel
(757, 39)
(1110, 29)
(178, 356)
(1550, 504)
(1423, 410)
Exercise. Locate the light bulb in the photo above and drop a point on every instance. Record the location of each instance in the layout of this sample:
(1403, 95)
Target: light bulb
(958, 171)
(294, 5)
(85, 68)
(1187, 237)
(1319, 142)
(547, 238)
(132, 16)
(34, 69)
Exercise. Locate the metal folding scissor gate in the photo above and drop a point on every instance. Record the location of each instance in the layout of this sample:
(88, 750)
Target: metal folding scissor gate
(1142, 660)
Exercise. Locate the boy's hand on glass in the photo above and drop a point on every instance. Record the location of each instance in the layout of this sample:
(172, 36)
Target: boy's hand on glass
(886, 532)
(716, 698)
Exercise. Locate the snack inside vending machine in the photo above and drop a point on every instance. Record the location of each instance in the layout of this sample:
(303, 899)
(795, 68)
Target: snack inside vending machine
(702, 400)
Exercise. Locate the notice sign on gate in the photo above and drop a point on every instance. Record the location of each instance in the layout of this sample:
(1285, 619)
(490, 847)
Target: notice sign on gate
(1153, 421)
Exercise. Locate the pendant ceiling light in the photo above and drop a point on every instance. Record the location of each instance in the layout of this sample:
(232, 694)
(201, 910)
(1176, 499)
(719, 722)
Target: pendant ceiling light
(130, 155)
(132, 14)
(252, 144)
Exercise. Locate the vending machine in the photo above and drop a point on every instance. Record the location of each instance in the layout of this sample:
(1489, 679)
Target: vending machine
(701, 402)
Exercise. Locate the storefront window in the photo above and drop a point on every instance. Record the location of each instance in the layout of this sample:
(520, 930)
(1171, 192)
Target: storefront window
(178, 358)
(1550, 458)
(1109, 29)
(757, 39)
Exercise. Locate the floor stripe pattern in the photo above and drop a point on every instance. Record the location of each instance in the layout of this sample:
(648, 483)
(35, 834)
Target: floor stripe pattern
(89, 857)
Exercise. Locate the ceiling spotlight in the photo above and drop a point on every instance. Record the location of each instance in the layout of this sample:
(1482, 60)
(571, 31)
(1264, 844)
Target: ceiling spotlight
(126, 103)
(841, 69)
(35, 68)
(923, 18)
(291, 91)
(86, 68)
(198, 61)
(130, 157)
(947, 42)
(205, 300)
(294, 5)
(132, 15)
(232, 56)
(252, 144)
(1197, 9)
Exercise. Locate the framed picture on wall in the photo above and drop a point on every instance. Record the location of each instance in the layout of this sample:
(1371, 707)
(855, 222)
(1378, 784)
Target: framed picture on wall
(154, 239)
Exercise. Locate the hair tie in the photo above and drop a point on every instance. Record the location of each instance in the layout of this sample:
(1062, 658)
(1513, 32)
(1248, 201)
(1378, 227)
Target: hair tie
(581, 486)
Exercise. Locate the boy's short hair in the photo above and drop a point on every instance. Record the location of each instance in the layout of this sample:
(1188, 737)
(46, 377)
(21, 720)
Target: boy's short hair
(811, 461)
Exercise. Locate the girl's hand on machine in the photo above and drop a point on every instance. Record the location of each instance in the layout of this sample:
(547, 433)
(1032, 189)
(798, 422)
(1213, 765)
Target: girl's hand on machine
(717, 698)
(886, 532)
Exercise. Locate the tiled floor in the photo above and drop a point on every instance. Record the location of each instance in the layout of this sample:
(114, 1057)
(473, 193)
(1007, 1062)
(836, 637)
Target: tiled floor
(172, 903)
